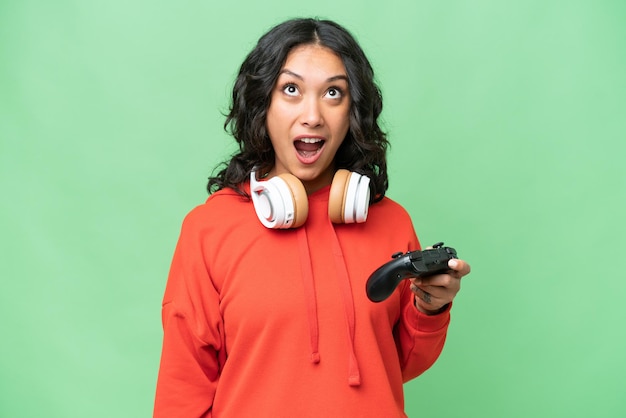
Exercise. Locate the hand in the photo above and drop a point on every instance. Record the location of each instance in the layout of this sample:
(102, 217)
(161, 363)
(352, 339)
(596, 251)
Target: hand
(434, 293)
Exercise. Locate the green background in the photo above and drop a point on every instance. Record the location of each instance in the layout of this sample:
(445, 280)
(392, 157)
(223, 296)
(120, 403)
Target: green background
(508, 132)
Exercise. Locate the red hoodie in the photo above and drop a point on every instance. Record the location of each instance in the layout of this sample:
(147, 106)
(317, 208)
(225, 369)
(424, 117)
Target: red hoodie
(276, 323)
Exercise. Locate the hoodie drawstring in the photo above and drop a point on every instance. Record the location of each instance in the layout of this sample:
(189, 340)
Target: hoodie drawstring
(354, 375)
(309, 290)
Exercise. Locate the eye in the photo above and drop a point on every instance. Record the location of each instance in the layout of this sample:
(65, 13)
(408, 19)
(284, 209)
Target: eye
(291, 90)
(334, 93)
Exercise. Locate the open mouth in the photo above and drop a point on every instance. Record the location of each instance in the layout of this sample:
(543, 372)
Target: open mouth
(308, 147)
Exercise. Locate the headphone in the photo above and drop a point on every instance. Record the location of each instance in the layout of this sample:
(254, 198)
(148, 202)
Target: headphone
(281, 202)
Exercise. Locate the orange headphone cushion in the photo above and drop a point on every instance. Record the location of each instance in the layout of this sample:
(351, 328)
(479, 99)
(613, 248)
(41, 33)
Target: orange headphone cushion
(337, 197)
(300, 199)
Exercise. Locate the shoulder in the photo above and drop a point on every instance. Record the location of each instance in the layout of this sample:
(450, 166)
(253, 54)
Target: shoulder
(389, 208)
(390, 218)
(223, 206)
(389, 204)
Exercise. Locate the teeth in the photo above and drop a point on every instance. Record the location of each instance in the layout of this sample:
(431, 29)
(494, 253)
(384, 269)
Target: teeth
(310, 140)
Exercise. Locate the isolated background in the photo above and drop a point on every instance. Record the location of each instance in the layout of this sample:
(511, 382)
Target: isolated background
(508, 133)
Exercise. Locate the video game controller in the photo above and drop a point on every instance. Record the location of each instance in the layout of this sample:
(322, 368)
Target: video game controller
(381, 284)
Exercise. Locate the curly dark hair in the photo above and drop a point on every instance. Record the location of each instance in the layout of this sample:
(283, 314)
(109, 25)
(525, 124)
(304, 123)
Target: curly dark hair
(365, 146)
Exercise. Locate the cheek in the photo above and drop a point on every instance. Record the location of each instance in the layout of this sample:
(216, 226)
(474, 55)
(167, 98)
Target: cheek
(342, 123)
(276, 120)
(272, 124)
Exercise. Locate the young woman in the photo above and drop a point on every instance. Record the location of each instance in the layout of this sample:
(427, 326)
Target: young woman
(265, 312)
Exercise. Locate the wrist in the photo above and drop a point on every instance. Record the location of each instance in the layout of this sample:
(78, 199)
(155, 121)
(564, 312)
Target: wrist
(431, 312)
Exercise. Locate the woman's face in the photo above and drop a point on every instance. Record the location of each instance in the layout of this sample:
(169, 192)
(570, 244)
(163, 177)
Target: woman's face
(308, 116)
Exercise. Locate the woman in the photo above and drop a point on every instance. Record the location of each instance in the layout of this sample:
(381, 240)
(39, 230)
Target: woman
(265, 311)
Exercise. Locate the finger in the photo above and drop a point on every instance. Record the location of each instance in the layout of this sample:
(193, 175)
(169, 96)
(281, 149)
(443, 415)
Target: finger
(436, 292)
(438, 280)
(461, 268)
(451, 288)
(422, 294)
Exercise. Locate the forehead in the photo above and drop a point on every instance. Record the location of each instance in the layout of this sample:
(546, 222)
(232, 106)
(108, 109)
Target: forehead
(314, 58)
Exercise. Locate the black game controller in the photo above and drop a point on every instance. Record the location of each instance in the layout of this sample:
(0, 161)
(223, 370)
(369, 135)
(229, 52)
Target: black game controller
(387, 277)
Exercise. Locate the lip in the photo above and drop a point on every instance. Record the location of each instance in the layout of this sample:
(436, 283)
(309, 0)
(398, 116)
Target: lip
(308, 158)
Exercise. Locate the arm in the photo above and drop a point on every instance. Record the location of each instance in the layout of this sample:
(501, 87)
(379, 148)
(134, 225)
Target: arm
(193, 352)
(426, 306)
(419, 337)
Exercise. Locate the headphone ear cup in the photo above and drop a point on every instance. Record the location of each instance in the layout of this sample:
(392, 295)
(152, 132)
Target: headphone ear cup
(280, 202)
(361, 198)
(299, 198)
(349, 197)
(336, 199)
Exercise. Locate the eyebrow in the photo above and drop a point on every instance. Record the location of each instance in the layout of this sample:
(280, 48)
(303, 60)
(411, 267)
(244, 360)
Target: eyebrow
(330, 79)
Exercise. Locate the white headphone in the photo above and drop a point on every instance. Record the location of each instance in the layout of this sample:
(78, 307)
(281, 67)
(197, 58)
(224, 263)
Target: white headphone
(281, 202)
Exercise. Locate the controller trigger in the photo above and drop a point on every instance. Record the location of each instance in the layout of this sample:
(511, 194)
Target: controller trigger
(397, 255)
(438, 245)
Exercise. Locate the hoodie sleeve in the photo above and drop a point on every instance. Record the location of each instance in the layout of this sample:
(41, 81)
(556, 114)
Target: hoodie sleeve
(420, 338)
(193, 349)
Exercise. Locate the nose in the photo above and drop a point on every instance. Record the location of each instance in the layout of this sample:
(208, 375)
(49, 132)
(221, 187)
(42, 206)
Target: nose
(311, 115)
